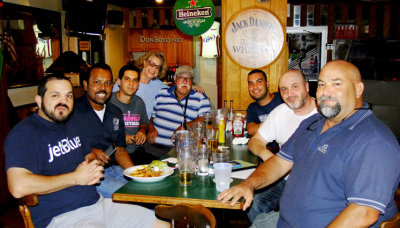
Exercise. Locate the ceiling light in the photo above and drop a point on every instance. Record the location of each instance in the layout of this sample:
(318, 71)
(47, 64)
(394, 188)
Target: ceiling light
(159, 1)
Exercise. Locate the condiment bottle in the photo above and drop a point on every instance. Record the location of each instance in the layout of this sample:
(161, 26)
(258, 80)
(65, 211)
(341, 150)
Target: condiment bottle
(221, 131)
(238, 126)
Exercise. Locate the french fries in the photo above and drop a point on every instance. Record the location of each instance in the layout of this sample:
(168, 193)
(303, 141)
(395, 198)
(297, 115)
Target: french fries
(146, 172)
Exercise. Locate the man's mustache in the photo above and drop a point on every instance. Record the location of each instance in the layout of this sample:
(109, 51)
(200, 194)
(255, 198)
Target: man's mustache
(62, 105)
(327, 98)
(184, 85)
(101, 91)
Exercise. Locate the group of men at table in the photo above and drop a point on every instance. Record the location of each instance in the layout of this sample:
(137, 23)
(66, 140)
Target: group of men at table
(343, 162)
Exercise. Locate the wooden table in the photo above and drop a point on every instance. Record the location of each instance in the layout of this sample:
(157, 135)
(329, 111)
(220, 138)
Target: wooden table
(168, 191)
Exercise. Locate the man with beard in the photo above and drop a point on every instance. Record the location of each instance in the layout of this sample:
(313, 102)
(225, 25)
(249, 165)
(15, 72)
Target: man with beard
(102, 125)
(344, 162)
(134, 112)
(176, 108)
(45, 156)
(265, 102)
(279, 126)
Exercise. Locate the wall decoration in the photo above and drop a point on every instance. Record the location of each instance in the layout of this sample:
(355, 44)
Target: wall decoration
(194, 17)
(254, 37)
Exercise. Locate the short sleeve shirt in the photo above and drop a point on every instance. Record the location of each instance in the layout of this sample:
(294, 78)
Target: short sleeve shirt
(257, 113)
(49, 149)
(99, 134)
(356, 161)
(134, 114)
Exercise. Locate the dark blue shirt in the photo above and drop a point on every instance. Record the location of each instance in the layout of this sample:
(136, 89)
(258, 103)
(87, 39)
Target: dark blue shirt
(356, 161)
(99, 134)
(257, 113)
(49, 149)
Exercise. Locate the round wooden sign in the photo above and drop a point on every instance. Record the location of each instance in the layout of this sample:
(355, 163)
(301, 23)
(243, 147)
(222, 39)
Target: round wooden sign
(254, 37)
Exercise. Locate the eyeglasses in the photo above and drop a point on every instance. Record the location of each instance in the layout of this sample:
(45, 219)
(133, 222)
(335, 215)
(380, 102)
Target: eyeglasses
(158, 67)
(182, 78)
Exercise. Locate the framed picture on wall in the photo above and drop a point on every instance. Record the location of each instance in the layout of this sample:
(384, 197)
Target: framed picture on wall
(307, 49)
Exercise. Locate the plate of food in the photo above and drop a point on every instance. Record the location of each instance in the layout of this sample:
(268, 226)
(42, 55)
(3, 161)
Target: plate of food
(155, 171)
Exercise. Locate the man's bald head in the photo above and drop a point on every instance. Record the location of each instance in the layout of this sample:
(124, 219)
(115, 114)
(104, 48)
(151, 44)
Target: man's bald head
(339, 90)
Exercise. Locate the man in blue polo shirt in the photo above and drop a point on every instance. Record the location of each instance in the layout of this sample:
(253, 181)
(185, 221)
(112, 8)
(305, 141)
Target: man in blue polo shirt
(344, 162)
(102, 125)
(265, 102)
(175, 108)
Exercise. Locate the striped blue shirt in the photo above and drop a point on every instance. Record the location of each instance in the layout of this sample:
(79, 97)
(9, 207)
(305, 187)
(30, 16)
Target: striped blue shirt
(168, 113)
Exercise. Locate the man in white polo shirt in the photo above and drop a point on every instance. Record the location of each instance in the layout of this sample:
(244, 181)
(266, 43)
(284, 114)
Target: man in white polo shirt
(279, 126)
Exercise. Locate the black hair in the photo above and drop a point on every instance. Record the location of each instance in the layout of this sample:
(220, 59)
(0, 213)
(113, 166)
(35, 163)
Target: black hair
(128, 66)
(258, 71)
(42, 85)
(103, 66)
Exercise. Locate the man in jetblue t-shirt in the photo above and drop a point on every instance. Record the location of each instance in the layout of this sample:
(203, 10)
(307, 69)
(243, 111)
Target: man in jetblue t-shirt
(265, 102)
(344, 162)
(44, 156)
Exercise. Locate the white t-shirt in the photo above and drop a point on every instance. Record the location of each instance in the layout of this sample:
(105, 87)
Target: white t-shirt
(281, 123)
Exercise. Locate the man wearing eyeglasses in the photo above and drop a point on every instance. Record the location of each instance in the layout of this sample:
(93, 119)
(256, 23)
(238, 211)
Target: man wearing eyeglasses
(102, 125)
(175, 108)
(279, 126)
(344, 161)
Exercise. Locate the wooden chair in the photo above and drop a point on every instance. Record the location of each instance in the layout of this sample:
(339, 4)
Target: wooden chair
(24, 203)
(193, 215)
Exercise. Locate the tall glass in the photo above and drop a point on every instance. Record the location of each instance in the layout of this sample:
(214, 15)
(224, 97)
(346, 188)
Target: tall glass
(186, 164)
(203, 160)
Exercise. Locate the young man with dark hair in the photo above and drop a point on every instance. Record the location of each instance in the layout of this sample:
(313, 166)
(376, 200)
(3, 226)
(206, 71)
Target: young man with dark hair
(134, 112)
(265, 102)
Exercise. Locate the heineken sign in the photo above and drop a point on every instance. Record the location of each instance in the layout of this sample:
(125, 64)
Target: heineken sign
(254, 38)
(194, 17)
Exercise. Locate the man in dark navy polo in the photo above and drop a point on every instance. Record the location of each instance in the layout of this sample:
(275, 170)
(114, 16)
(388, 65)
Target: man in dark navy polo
(102, 125)
(344, 162)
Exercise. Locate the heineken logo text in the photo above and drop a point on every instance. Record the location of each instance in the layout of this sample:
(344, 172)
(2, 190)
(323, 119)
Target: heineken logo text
(183, 14)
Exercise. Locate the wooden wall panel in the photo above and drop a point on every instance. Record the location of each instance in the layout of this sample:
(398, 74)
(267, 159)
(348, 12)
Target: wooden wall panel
(234, 77)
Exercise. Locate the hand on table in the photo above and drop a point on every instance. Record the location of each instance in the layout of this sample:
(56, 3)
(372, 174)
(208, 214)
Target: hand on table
(237, 192)
(89, 173)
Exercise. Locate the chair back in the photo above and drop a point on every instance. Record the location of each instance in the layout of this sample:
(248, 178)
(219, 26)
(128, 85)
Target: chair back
(194, 215)
(24, 203)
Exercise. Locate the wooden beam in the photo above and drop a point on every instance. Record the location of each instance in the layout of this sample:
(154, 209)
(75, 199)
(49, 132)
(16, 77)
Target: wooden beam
(386, 20)
(372, 20)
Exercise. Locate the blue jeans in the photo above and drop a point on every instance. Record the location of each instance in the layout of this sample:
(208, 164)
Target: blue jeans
(263, 220)
(266, 199)
(113, 180)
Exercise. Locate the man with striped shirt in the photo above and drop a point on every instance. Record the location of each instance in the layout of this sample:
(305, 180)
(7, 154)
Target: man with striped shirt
(175, 108)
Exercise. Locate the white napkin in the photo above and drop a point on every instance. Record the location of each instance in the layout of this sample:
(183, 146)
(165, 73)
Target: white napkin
(240, 140)
(243, 174)
(171, 160)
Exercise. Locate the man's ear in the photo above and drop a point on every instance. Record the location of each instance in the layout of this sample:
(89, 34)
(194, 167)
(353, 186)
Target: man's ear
(119, 82)
(38, 100)
(85, 85)
(359, 89)
(307, 87)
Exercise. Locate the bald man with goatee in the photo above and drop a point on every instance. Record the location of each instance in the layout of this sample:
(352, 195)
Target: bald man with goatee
(344, 162)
